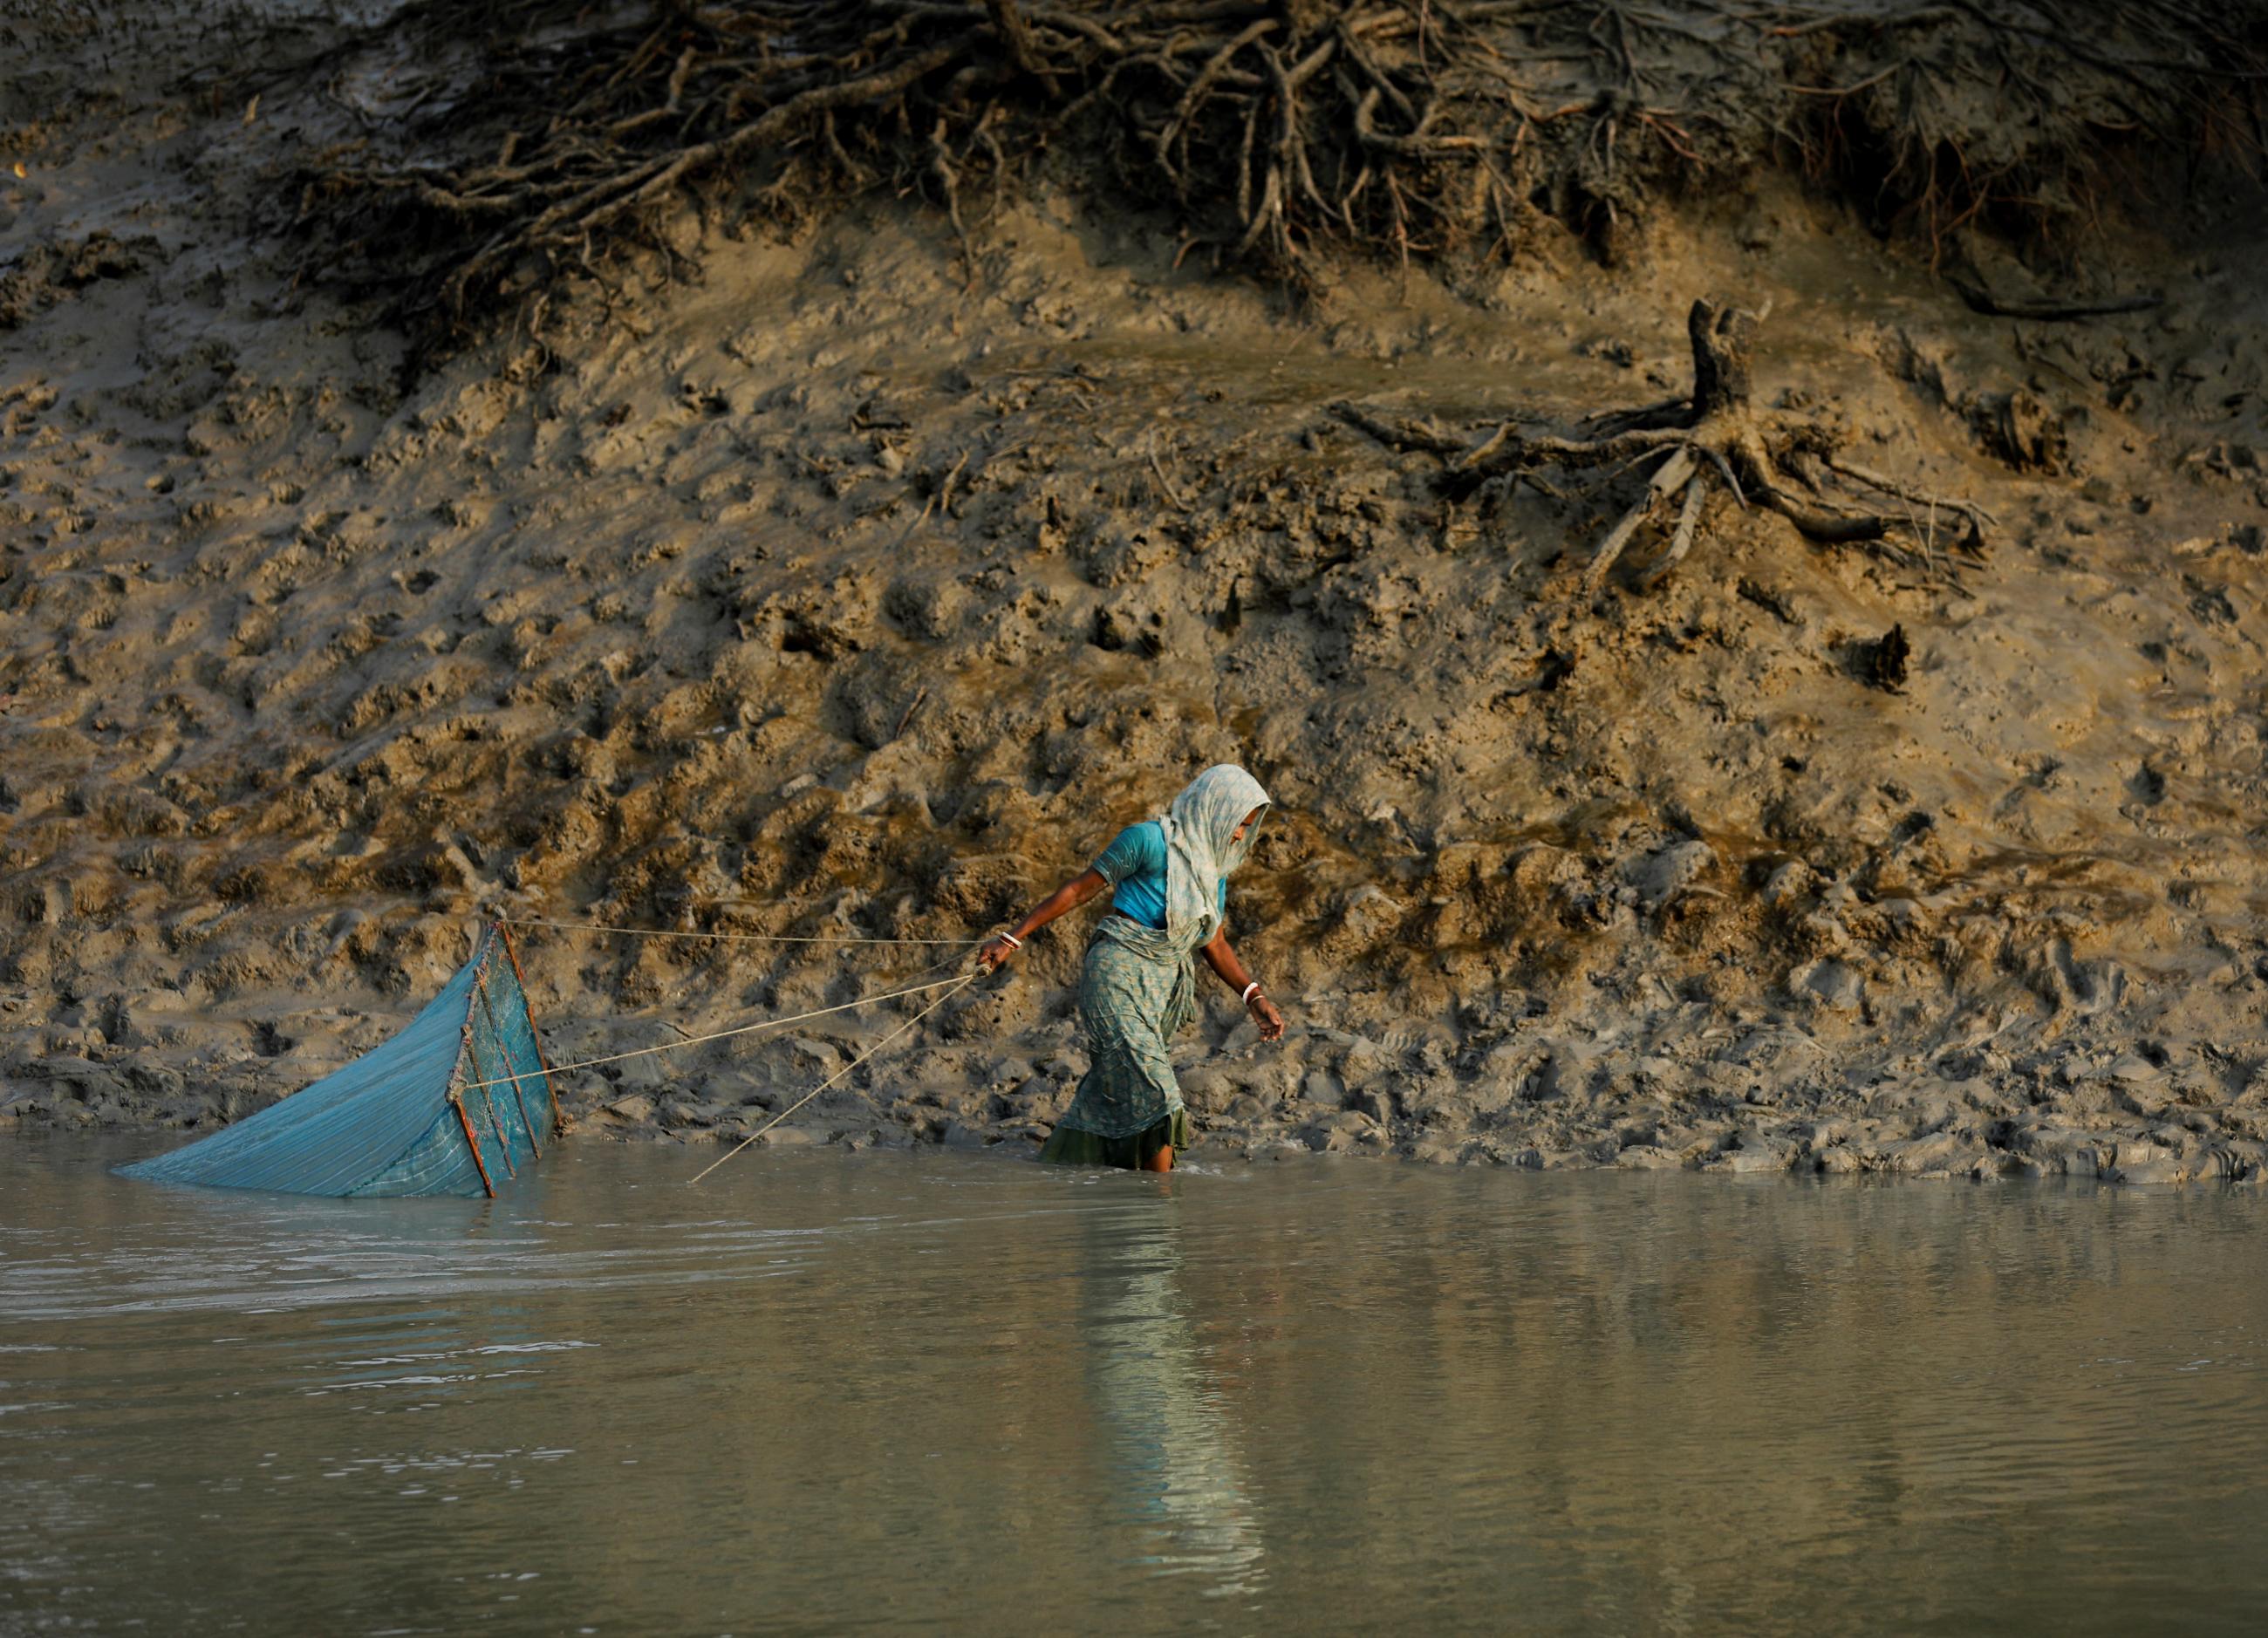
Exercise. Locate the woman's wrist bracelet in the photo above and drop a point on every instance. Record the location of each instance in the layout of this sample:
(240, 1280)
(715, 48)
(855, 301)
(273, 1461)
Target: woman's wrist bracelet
(1011, 941)
(1251, 990)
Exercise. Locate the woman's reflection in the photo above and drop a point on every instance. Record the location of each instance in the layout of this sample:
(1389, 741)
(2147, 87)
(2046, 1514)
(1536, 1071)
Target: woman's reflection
(1173, 1469)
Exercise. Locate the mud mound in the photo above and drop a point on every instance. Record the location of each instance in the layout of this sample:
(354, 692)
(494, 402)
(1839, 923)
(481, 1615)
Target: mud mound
(518, 143)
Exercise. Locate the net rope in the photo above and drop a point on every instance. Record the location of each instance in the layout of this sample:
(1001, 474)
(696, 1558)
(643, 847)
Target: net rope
(749, 1029)
(951, 986)
(736, 938)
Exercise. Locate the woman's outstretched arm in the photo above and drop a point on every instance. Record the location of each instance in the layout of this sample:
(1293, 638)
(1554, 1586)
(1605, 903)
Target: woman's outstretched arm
(1064, 900)
(1222, 959)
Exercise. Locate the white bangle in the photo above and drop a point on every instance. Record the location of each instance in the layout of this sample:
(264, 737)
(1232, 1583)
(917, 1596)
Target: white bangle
(1251, 990)
(1011, 941)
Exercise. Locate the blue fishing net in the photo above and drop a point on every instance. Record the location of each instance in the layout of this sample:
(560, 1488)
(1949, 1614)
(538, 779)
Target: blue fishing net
(459, 1103)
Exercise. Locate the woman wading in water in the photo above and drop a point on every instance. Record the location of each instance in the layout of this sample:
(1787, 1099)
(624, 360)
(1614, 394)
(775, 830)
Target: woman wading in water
(1169, 881)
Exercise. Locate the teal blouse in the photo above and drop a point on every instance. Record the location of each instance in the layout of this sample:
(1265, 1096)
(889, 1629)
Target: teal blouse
(1134, 864)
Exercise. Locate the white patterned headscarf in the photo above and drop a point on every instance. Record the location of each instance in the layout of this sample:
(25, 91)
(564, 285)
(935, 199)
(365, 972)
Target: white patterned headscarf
(1200, 852)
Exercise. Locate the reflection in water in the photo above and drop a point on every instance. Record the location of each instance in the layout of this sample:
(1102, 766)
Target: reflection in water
(1172, 1461)
(939, 1392)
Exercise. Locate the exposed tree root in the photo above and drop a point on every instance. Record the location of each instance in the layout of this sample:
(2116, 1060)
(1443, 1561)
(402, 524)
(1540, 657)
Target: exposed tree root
(1714, 443)
(1406, 128)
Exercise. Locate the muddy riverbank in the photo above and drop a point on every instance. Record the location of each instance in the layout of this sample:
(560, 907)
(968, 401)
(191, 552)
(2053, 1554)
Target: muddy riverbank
(866, 578)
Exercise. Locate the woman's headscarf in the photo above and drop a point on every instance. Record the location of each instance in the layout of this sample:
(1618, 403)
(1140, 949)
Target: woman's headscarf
(1199, 852)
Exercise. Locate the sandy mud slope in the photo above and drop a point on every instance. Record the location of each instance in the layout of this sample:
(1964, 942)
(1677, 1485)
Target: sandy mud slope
(867, 580)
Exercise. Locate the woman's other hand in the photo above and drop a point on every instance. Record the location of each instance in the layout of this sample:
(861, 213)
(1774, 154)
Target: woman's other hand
(995, 955)
(1271, 1021)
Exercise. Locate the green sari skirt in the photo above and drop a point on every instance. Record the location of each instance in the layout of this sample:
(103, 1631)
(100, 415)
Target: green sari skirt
(1136, 991)
(1067, 1146)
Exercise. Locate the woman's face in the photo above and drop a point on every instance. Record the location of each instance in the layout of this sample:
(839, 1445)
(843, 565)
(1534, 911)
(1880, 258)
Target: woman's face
(1245, 826)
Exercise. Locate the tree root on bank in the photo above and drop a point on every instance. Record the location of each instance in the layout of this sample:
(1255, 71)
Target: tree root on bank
(1714, 441)
(1272, 129)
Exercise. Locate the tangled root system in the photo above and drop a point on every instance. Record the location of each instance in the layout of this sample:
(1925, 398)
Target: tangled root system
(1273, 132)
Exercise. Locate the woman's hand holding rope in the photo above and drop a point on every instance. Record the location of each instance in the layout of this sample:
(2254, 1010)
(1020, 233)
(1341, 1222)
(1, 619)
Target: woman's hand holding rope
(1064, 901)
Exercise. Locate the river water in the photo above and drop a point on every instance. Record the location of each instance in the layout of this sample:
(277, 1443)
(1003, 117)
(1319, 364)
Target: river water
(948, 1393)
